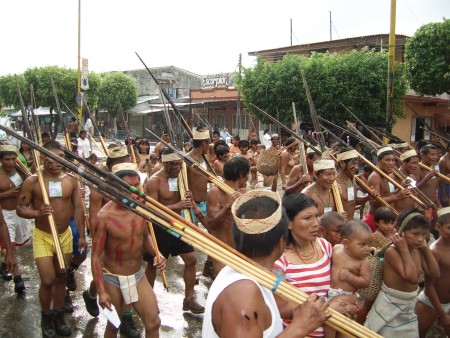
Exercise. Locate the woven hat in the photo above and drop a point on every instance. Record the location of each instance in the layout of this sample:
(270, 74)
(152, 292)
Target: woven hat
(384, 150)
(309, 151)
(274, 136)
(443, 211)
(170, 157)
(256, 226)
(323, 164)
(124, 166)
(399, 145)
(347, 155)
(117, 152)
(8, 148)
(408, 154)
(200, 135)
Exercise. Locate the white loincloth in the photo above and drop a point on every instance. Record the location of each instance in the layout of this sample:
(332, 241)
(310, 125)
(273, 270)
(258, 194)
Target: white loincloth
(392, 314)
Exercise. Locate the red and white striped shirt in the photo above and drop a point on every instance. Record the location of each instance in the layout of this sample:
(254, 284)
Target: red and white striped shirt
(310, 278)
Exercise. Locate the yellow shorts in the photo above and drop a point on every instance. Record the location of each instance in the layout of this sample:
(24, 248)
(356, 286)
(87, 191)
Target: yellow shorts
(43, 245)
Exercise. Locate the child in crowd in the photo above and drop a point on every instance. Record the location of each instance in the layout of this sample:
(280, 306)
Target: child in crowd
(331, 225)
(244, 146)
(385, 221)
(405, 263)
(434, 301)
(350, 265)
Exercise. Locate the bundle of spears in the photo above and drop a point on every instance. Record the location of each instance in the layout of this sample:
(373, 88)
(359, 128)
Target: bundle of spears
(138, 202)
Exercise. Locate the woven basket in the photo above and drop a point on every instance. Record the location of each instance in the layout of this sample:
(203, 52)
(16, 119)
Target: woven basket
(376, 273)
(268, 162)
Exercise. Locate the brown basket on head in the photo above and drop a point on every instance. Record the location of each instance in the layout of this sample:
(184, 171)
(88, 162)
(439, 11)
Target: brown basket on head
(268, 162)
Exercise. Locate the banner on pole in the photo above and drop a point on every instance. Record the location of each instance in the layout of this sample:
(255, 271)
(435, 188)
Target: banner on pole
(84, 74)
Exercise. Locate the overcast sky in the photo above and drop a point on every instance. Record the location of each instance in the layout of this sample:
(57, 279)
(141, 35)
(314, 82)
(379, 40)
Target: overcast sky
(200, 36)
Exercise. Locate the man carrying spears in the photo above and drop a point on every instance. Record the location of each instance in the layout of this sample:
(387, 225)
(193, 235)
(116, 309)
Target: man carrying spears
(410, 169)
(220, 218)
(387, 191)
(118, 240)
(10, 185)
(444, 168)
(297, 179)
(65, 202)
(160, 146)
(163, 187)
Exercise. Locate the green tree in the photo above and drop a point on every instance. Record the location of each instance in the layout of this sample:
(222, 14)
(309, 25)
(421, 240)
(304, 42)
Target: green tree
(427, 56)
(117, 93)
(357, 79)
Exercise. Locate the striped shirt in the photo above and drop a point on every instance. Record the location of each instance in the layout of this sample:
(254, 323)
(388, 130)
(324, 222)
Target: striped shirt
(310, 278)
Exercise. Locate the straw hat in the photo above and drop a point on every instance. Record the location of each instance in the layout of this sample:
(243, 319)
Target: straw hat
(124, 166)
(170, 157)
(200, 135)
(443, 211)
(309, 151)
(384, 150)
(8, 148)
(347, 155)
(408, 154)
(399, 145)
(323, 164)
(256, 226)
(117, 152)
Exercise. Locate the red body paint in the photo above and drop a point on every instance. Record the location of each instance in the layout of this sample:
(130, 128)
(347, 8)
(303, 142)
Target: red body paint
(116, 222)
(133, 230)
(119, 255)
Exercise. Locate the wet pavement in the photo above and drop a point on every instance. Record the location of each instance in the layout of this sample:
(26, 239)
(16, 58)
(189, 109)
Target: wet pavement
(20, 315)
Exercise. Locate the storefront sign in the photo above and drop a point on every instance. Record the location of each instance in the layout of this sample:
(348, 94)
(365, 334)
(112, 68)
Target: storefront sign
(218, 81)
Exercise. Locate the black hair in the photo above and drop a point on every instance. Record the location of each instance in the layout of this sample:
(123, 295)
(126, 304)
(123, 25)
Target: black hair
(221, 150)
(385, 213)
(110, 162)
(244, 143)
(236, 168)
(293, 204)
(236, 137)
(420, 144)
(418, 221)
(216, 132)
(426, 148)
(289, 141)
(310, 155)
(254, 141)
(385, 153)
(218, 144)
(368, 169)
(351, 226)
(81, 132)
(263, 244)
(331, 218)
(144, 141)
(52, 145)
(45, 134)
(198, 143)
(93, 156)
(73, 119)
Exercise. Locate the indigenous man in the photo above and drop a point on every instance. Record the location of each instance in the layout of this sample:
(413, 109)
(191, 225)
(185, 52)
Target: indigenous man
(163, 187)
(73, 127)
(400, 147)
(117, 244)
(348, 160)
(10, 185)
(215, 138)
(320, 191)
(160, 146)
(387, 191)
(428, 181)
(220, 219)
(238, 305)
(444, 188)
(297, 179)
(409, 168)
(244, 152)
(65, 202)
(97, 200)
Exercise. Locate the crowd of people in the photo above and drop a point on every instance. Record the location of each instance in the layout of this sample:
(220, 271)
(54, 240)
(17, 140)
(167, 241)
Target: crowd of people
(313, 222)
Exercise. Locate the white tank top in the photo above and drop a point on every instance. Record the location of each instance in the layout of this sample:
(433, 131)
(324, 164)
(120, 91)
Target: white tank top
(226, 277)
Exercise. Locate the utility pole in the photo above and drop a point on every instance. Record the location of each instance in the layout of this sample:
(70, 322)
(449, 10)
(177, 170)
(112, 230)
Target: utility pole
(331, 31)
(238, 108)
(391, 69)
(291, 30)
(80, 106)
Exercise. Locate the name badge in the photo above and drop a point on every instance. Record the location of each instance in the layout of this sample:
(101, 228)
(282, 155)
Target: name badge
(391, 187)
(54, 189)
(327, 209)
(16, 179)
(412, 184)
(173, 184)
(203, 165)
(350, 194)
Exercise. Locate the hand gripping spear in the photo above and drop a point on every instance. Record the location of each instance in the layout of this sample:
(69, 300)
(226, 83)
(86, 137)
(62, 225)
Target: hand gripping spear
(42, 185)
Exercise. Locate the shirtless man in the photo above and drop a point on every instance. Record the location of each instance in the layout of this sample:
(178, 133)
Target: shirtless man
(215, 138)
(10, 185)
(409, 168)
(428, 181)
(65, 202)
(160, 146)
(220, 224)
(244, 152)
(320, 190)
(297, 179)
(387, 191)
(348, 166)
(444, 188)
(163, 187)
(119, 237)
(116, 155)
(73, 127)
